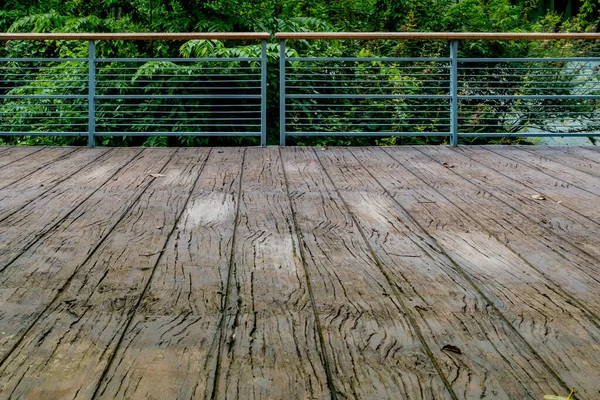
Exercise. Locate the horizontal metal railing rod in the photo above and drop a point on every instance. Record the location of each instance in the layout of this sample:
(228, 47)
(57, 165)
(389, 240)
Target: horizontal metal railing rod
(540, 59)
(338, 67)
(366, 111)
(82, 60)
(43, 96)
(525, 75)
(362, 119)
(531, 97)
(337, 74)
(187, 125)
(175, 81)
(367, 96)
(529, 134)
(182, 133)
(368, 107)
(205, 88)
(208, 59)
(368, 59)
(176, 96)
(362, 133)
(49, 133)
(397, 88)
(171, 106)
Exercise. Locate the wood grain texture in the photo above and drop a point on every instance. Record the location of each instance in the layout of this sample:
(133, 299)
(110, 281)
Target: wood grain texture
(553, 169)
(138, 36)
(74, 339)
(25, 224)
(556, 189)
(15, 153)
(299, 272)
(577, 157)
(25, 166)
(433, 36)
(446, 307)
(171, 348)
(44, 181)
(373, 349)
(564, 336)
(542, 232)
(592, 152)
(36, 278)
(271, 346)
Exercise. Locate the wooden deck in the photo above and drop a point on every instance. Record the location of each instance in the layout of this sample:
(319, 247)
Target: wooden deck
(300, 273)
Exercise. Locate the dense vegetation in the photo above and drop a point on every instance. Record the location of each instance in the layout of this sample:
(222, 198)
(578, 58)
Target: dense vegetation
(273, 16)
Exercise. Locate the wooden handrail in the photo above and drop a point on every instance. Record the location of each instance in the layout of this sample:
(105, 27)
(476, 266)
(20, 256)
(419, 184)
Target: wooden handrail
(137, 36)
(302, 35)
(434, 36)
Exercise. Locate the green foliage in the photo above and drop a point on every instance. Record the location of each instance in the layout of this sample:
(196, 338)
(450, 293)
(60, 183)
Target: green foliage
(271, 16)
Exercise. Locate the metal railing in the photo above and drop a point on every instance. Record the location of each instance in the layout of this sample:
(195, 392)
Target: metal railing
(449, 97)
(134, 96)
(446, 96)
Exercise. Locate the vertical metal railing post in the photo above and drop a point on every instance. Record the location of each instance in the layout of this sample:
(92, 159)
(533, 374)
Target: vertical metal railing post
(91, 93)
(282, 93)
(454, 92)
(263, 92)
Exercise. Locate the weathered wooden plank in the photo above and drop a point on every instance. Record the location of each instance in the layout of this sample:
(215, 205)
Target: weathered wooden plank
(32, 282)
(25, 166)
(374, 350)
(555, 189)
(270, 346)
(544, 233)
(73, 341)
(551, 168)
(495, 361)
(591, 152)
(570, 158)
(16, 153)
(26, 226)
(171, 348)
(44, 181)
(547, 318)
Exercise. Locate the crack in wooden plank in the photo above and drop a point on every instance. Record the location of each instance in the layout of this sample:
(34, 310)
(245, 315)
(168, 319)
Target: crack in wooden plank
(324, 355)
(222, 334)
(40, 235)
(28, 151)
(397, 294)
(468, 277)
(132, 314)
(68, 281)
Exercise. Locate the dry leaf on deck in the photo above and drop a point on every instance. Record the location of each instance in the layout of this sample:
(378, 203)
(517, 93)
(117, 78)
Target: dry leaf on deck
(538, 196)
(452, 348)
(448, 165)
(157, 175)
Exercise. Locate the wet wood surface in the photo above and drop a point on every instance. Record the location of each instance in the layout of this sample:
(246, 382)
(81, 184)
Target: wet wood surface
(305, 273)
